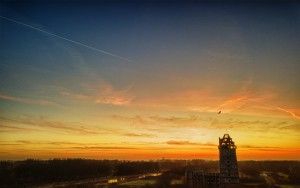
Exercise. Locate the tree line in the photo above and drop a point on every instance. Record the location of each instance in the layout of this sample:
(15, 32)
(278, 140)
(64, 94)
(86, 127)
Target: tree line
(22, 173)
(35, 172)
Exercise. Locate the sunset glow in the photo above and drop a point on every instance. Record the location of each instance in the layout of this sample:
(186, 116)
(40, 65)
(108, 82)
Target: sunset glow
(149, 82)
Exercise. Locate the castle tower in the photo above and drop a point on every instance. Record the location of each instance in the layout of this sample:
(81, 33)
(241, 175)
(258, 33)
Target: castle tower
(228, 163)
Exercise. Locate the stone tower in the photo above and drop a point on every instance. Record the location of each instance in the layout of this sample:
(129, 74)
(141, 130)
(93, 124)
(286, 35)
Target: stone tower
(228, 162)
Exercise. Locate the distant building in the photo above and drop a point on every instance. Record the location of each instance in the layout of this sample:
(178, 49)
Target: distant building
(228, 175)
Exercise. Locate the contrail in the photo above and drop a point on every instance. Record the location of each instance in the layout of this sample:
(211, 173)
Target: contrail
(66, 39)
(289, 112)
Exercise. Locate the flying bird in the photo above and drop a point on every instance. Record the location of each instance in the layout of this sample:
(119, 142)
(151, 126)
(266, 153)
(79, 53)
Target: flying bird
(220, 112)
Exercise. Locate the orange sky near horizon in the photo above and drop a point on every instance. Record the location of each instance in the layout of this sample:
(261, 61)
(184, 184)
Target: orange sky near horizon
(185, 125)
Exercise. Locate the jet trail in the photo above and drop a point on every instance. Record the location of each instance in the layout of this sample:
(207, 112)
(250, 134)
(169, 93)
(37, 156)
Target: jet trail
(66, 39)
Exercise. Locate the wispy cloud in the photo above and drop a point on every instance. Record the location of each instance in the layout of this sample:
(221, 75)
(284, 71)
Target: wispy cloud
(257, 147)
(176, 120)
(294, 127)
(55, 143)
(74, 95)
(254, 148)
(133, 119)
(103, 147)
(154, 119)
(82, 145)
(138, 135)
(188, 143)
(182, 99)
(10, 128)
(41, 123)
(189, 120)
(246, 100)
(234, 103)
(101, 93)
(27, 100)
(256, 102)
(108, 95)
(211, 122)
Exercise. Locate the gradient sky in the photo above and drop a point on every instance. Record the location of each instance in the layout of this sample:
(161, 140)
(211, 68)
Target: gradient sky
(172, 67)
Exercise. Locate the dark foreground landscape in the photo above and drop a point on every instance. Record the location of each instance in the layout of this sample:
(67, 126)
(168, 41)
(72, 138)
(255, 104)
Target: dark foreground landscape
(142, 174)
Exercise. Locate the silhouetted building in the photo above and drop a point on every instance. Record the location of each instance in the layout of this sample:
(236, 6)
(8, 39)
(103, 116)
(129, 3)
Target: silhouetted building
(228, 176)
(228, 162)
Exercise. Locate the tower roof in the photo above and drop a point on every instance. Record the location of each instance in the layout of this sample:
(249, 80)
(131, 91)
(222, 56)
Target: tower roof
(226, 142)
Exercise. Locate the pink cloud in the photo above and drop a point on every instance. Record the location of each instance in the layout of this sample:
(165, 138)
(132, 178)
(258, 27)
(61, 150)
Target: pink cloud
(101, 93)
(107, 94)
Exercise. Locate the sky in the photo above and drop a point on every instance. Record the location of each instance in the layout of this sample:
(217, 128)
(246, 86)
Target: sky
(151, 80)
